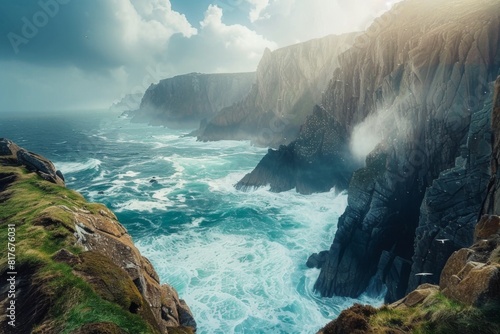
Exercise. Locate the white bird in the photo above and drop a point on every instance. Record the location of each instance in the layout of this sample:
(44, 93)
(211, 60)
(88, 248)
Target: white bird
(424, 274)
(442, 240)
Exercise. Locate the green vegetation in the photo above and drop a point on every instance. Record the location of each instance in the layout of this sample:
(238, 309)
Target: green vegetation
(59, 295)
(437, 315)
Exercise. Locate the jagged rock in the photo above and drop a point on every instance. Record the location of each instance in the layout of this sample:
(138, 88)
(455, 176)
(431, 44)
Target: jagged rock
(419, 76)
(290, 81)
(317, 260)
(492, 202)
(451, 204)
(185, 100)
(317, 161)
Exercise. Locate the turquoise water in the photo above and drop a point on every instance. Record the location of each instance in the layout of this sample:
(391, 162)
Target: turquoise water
(237, 258)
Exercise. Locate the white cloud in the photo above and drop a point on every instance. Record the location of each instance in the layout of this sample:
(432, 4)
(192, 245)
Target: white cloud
(290, 21)
(234, 37)
(148, 25)
(258, 8)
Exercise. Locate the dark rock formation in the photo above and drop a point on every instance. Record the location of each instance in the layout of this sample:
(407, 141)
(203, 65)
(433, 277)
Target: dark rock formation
(184, 100)
(467, 299)
(315, 162)
(451, 204)
(492, 201)
(74, 256)
(290, 81)
(415, 84)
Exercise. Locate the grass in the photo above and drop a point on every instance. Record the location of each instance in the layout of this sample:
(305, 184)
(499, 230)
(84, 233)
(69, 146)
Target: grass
(42, 228)
(438, 315)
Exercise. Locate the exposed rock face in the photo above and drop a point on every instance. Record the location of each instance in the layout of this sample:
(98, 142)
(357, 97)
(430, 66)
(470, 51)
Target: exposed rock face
(184, 100)
(58, 226)
(492, 202)
(450, 208)
(470, 279)
(32, 161)
(415, 84)
(290, 81)
(472, 275)
(305, 166)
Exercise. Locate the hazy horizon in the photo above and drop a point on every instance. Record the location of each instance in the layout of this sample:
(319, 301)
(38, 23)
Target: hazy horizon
(59, 55)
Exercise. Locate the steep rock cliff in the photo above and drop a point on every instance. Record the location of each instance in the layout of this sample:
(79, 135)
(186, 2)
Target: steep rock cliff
(467, 300)
(408, 91)
(76, 267)
(289, 82)
(185, 100)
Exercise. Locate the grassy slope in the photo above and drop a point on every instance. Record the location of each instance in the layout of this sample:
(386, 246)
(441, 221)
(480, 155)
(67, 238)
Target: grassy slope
(68, 300)
(437, 315)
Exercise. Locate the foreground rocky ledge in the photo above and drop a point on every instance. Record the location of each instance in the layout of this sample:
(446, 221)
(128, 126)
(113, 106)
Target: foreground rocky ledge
(78, 270)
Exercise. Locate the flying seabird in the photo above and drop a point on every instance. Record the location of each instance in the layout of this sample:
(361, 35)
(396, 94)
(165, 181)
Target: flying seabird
(442, 240)
(424, 274)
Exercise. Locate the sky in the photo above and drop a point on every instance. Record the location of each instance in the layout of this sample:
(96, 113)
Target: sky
(63, 55)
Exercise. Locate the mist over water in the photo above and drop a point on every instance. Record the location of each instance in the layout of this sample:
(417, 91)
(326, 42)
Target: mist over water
(237, 258)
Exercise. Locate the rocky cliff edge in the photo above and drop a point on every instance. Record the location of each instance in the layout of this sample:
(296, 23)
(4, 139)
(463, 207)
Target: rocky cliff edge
(76, 267)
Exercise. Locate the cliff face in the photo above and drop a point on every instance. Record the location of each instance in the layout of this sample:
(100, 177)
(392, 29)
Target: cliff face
(76, 267)
(187, 99)
(411, 91)
(289, 82)
(467, 299)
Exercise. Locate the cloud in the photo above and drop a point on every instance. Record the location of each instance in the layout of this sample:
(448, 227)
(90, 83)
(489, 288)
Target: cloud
(64, 53)
(218, 47)
(258, 7)
(88, 34)
(291, 21)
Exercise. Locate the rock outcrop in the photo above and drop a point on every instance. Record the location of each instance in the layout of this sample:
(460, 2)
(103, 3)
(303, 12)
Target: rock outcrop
(467, 299)
(305, 167)
(289, 82)
(32, 161)
(411, 92)
(185, 100)
(77, 269)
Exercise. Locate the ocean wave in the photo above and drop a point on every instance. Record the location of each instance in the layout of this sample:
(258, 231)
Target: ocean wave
(141, 206)
(74, 167)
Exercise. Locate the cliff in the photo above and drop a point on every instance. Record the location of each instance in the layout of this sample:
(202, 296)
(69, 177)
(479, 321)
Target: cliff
(185, 100)
(71, 267)
(410, 95)
(289, 82)
(467, 299)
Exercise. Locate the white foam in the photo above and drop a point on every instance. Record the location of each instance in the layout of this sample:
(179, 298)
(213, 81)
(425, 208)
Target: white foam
(74, 167)
(141, 206)
(128, 174)
(246, 278)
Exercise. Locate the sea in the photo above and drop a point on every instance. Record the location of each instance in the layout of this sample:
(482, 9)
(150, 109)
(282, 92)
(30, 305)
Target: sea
(237, 258)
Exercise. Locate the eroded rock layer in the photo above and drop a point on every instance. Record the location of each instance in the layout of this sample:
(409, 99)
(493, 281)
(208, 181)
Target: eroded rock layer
(412, 92)
(289, 82)
(185, 100)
